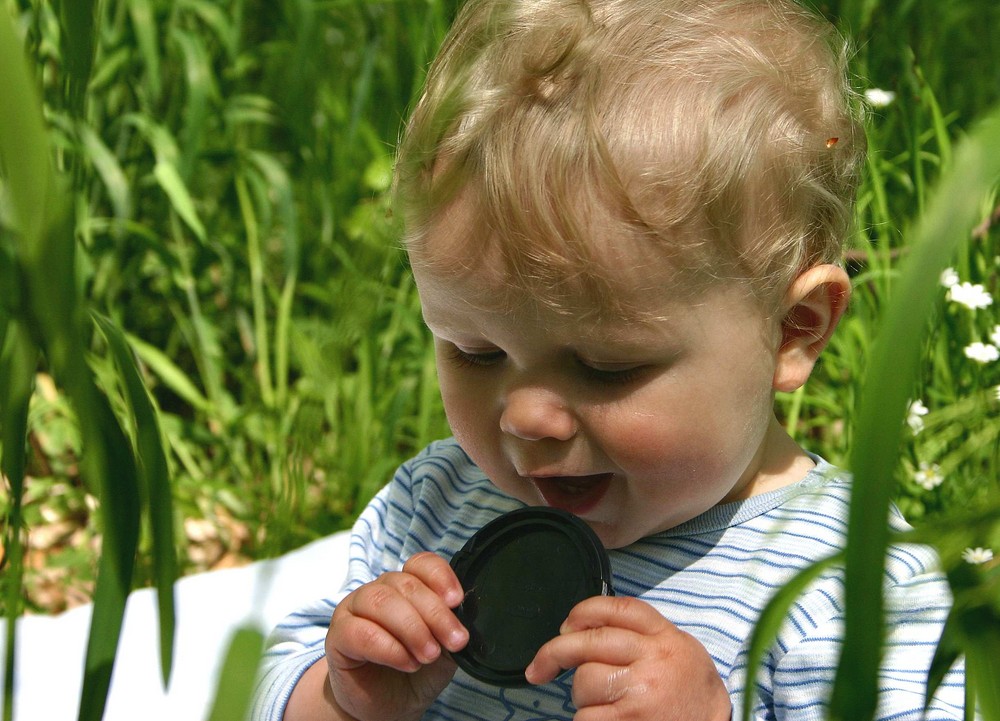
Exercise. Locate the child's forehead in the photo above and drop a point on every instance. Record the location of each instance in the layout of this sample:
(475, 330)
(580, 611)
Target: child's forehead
(605, 270)
(469, 308)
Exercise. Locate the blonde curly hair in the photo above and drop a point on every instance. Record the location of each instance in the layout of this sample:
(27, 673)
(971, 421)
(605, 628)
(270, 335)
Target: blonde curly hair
(720, 135)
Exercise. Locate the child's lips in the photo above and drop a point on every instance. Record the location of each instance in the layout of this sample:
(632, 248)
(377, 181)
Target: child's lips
(576, 494)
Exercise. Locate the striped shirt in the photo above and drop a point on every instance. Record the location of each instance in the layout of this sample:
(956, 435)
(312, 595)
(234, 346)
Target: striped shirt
(711, 576)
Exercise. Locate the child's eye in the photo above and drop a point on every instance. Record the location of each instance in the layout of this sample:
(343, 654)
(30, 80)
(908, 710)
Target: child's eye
(611, 374)
(476, 359)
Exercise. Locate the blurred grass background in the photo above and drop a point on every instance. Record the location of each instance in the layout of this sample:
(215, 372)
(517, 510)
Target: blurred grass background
(228, 163)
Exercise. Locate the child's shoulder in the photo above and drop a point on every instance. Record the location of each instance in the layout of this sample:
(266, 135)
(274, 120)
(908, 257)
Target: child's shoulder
(822, 503)
(441, 457)
(441, 493)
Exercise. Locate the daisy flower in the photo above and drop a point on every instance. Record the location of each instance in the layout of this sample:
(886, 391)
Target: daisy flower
(949, 277)
(982, 352)
(879, 98)
(970, 295)
(977, 556)
(915, 416)
(928, 476)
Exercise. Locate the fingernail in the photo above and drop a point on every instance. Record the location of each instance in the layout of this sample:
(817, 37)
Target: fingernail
(529, 672)
(457, 639)
(430, 652)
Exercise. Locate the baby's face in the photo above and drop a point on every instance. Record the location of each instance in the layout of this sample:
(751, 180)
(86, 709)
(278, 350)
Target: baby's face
(635, 427)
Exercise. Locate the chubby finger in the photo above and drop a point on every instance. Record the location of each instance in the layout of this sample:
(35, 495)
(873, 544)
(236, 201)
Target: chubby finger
(604, 645)
(354, 642)
(600, 684)
(438, 575)
(617, 611)
(403, 607)
(432, 602)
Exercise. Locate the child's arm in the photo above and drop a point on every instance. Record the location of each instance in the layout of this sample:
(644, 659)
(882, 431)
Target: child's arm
(385, 649)
(628, 656)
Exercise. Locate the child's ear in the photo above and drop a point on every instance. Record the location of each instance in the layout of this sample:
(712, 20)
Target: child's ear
(812, 307)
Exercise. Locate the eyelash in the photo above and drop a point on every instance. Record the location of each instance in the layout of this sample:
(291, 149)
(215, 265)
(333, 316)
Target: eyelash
(475, 360)
(607, 377)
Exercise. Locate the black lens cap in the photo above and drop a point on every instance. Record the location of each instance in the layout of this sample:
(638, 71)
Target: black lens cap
(522, 574)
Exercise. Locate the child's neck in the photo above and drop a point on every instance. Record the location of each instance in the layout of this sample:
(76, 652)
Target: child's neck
(779, 463)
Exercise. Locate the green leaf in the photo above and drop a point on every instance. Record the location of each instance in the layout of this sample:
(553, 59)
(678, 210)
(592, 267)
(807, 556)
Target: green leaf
(168, 372)
(108, 464)
(771, 619)
(279, 187)
(76, 18)
(155, 481)
(24, 148)
(948, 650)
(46, 251)
(220, 23)
(982, 658)
(109, 169)
(200, 90)
(236, 680)
(169, 178)
(144, 26)
(18, 362)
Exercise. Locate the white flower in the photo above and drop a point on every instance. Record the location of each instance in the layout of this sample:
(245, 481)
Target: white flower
(982, 352)
(879, 98)
(928, 476)
(995, 335)
(977, 556)
(915, 416)
(970, 295)
(949, 277)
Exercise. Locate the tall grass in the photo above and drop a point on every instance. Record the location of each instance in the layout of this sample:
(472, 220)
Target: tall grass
(201, 282)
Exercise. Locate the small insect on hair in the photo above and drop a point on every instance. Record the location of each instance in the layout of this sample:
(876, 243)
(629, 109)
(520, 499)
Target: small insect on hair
(830, 142)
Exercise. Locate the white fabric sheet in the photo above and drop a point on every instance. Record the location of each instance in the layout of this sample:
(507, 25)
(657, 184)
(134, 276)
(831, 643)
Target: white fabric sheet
(210, 607)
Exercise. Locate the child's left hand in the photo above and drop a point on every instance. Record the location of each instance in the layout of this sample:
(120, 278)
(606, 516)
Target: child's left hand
(632, 663)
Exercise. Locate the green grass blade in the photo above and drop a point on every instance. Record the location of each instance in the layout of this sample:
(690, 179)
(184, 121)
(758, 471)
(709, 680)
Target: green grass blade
(108, 465)
(18, 361)
(109, 170)
(76, 18)
(169, 179)
(948, 650)
(169, 373)
(222, 24)
(255, 261)
(156, 482)
(24, 148)
(144, 26)
(770, 620)
(282, 339)
(982, 662)
(201, 90)
(166, 171)
(952, 211)
(278, 185)
(53, 311)
(236, 680)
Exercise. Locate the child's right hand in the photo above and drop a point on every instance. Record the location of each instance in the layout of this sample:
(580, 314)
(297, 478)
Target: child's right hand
(386, 647)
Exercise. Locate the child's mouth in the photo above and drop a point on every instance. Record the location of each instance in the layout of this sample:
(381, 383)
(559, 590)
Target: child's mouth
(576, 494)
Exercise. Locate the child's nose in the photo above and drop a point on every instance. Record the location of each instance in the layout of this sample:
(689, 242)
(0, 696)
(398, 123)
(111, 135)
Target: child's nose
(532, 413)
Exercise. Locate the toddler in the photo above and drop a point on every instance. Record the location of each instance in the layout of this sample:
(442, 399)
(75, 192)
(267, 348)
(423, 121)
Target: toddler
(624, 219)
